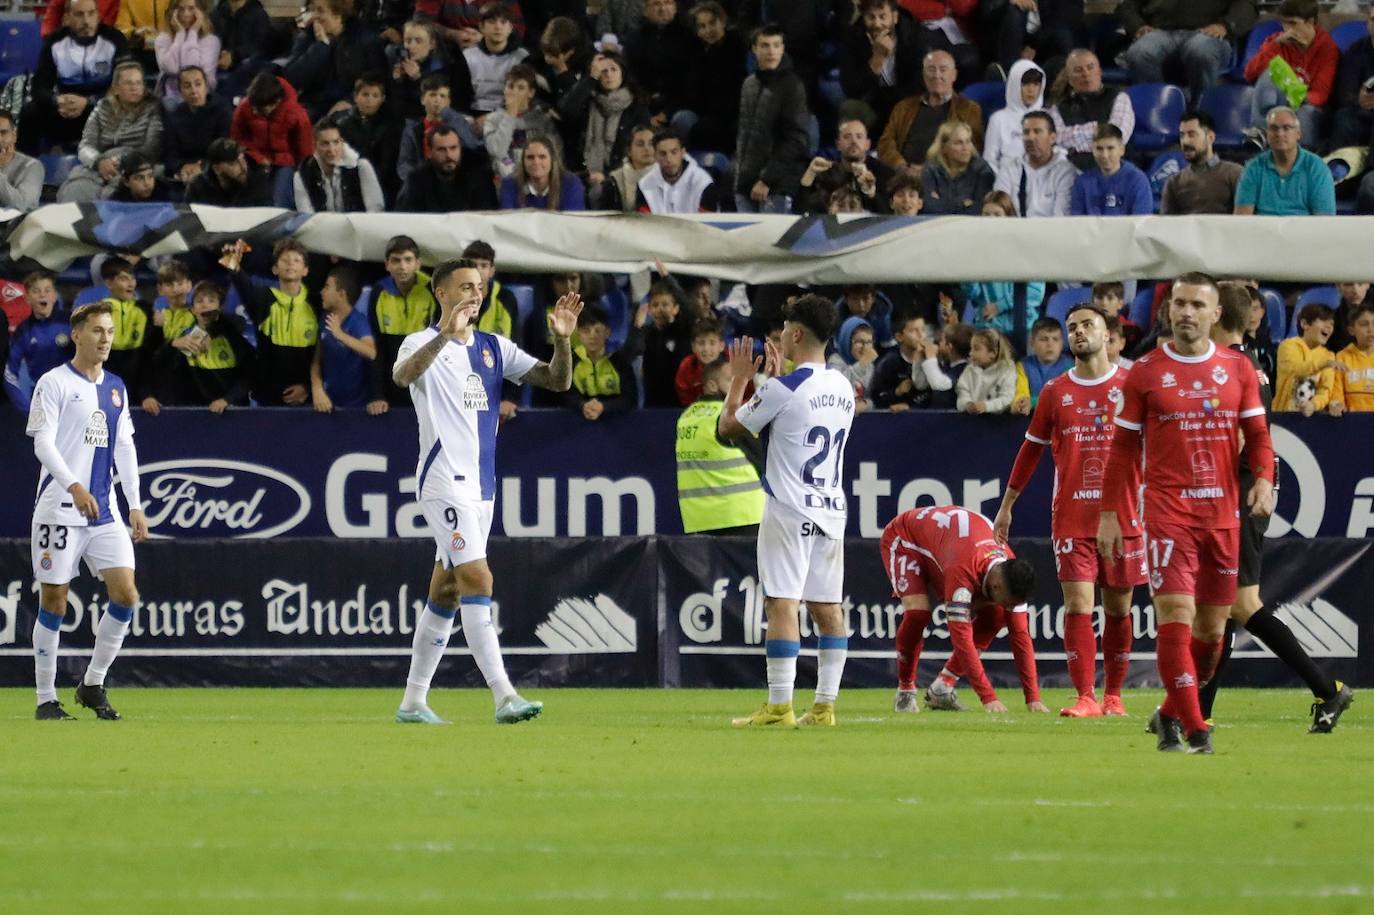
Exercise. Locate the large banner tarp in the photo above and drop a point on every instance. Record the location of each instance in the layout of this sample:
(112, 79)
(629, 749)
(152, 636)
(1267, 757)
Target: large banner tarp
(741, 247)
(268, 473)
(669, 611)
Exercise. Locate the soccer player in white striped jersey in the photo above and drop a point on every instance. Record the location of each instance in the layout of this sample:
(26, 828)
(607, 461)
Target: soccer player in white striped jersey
(805, 417)
(454, 373)
(79, 422)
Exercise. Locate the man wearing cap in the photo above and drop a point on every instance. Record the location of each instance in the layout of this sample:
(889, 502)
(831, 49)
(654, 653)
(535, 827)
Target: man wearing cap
(139, 183)
(230, 180)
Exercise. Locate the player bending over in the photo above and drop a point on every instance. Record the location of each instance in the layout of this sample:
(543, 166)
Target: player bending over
(454, 373)
(82, 433)
(1074, 417)
(951, 552)
(1187, 403)
(801, 538)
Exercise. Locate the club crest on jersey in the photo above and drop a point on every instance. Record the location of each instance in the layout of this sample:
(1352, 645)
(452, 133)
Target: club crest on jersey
(475, 394)
(1219, 374)
(97, 432)
(488, 359)
(62, 339)
(457, 543)
(1067, 401)
(116, 398)
(45, 563)
(1167, 380)
(1156, 579)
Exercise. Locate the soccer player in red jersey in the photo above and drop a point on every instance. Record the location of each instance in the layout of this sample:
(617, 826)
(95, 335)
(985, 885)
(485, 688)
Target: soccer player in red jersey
(1187, 403)
(1074, 417)
(951, 552)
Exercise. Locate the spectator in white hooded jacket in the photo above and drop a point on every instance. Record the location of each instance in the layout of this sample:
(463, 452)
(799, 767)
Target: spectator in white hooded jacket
(1025, 89)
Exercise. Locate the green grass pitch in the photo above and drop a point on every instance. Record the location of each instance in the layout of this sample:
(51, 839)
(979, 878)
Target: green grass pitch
(268, 801)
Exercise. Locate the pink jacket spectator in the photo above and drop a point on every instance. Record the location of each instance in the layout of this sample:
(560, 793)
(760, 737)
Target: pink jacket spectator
(185, 49)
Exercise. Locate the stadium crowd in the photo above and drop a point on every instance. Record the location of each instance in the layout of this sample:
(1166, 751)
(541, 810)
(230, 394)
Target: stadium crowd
(984, 108)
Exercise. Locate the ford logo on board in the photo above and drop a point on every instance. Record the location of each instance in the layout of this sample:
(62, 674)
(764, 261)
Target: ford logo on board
(213, 497)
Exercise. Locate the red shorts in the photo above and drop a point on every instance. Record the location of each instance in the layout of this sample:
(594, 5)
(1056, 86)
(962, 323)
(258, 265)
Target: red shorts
(903, 565)
(1185, 560)
(1077, 559)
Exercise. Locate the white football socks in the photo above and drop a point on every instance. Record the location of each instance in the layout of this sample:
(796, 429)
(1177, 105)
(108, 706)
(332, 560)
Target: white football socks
(46, 632)
(782, 669)
(432, 630)
(830, 667)
(109, 636)
(475, 614)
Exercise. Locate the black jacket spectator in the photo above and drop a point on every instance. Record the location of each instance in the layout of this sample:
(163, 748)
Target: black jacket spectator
(539, 12)
(860, 82)
(403, 93)
(181, 382)
(773, 141)
(805, 25)
(163, 192)
(713, 77)
(468, 188)
(324, 73)
(376, 139)
(246, 33)
(211, 188)
(1354, 125)
(658, 58)
(190, 131)
(68, 64)
(887, 387)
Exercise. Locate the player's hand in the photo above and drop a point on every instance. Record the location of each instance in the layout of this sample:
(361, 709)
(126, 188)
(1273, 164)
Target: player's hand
(139, 526)
(1110, 544)
(1037, 708)
(1001, 525)
(85, 502)
(1261, 498)
(741, 359)
(458, 318)
(563, 320)
(377, 407)
(772, 359)
(995, 707)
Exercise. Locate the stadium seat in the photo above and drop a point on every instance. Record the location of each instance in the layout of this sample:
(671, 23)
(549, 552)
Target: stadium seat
(1059, 304)
(1139, 310)
(19, 47)
(617, 306)
(991, 95)
(56, 167)
(1274, 314)
(1329, 296)
(1258, 34)
(90, 293)
(524, 301)
(1158, 106)
(1347, 33)
(1165, 166)
(1229, 106)
(364, 303)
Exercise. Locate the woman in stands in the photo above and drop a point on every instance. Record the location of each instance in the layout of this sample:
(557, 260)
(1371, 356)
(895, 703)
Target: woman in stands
(126, 120)
(186, 40)
(540, 181)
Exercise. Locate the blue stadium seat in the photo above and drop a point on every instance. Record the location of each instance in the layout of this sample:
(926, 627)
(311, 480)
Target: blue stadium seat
(1274, 313)
(617, 306)
(1347, 33)
(991, 95)
(1258, 34)
(1158, 106)
(1059, 304)
(364, 303)
(90, 293)
(524, 302)
(1229, 106)
(1329, 296)
(1139, 310)
(1165, 166)
(19, 47)
(56, 167)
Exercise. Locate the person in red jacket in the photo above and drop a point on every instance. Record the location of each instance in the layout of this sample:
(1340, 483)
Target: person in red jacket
(274, 132)
(57, 11)
(949, 26)
(1308, 56)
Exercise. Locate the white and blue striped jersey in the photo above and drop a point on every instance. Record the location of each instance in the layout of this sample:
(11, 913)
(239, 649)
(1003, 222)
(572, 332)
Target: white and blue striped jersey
(458, 407)
(82, 433)
(803, 419)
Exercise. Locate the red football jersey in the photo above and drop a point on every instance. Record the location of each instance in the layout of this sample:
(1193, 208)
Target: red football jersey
(1189, 409)
(1074, 417)
(959, 547)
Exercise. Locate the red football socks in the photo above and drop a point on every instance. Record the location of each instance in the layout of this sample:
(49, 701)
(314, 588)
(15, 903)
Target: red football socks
(1205, 658)
(1177, 670)
(1081, 646)
(1116, 652)
(911, 635)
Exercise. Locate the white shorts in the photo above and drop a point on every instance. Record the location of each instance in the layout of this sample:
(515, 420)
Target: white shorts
(57, 548)
(797, 561)
(460, 529)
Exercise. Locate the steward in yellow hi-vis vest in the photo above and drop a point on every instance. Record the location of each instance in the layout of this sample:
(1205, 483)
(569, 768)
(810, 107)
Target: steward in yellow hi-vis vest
(718, 488)
(131, 351)
(288, 328)
(205, 360)
(396, 314)
(602, 382)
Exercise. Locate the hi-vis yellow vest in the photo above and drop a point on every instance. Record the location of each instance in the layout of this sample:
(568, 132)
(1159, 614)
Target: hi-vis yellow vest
(596, 379)
(219, 355)
(717, 487)
(292, 321)
(496, 319)
(131, 324)
(405, 314)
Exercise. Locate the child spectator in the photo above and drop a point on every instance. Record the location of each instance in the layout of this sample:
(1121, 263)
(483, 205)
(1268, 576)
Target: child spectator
(1025, 91)
(708, 342)
(205, 360)
(372, 130)
(498, 313)
(40, 343)
(988, 385)
(956, 345)
(540, 181)
(1295, 67)
(900, 380)
(1306, 367)
(457, 21)
(1115, 187)
(186, 40)
(335, 179)
(855, 357)
(665, 340)
(1110, 299)
(1258, 340)
(434, 99)
(1047, 358)
(995, 301)
(340, 369)
(173, 290)
(504, 130)
(491, 58)
(330, 53)
(131, 352)
(904, 195)
(1116, 342)
(401, 305)
(420, 55)
(1353, 295)
(286, 323)
(192, 126)
(613, 112)
(1355, 365)
(274, 131)
(863, 300)
(139, 183)
(601, 383)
